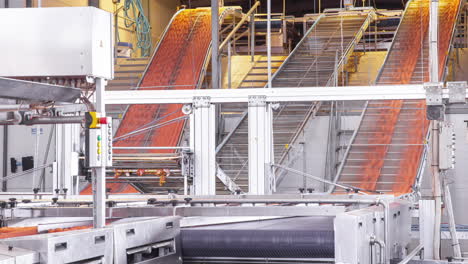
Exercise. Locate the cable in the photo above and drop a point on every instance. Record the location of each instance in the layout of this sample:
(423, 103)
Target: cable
(141, 23)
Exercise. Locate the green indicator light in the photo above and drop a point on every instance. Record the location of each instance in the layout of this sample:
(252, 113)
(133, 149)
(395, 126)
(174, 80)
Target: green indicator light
(99, 137)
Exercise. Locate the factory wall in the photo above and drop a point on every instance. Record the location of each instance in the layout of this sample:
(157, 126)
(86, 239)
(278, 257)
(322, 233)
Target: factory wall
(29, 141)
(313, 159)
(158, 12)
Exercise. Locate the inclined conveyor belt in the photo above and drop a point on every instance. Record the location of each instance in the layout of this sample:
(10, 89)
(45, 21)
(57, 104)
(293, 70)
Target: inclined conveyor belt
(314, 62)
(299, 237)
(322, 51)
(177, 64)
(388, 149)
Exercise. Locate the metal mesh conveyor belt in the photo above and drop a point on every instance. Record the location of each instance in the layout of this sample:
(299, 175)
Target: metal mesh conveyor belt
(299, 237)
(312, 63)
(388, 149)
(176, 64)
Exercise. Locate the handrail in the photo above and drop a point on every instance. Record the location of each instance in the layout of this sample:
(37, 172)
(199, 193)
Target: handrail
(351, 46)
(296, 48)
(236, 126)
(241, 22)
(26, 172)
(452, 37)
(348, 148)
(345, 187)
(393, 43)
(312, 112)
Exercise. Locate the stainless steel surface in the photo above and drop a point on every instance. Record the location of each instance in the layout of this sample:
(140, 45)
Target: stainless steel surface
(34, 91)
(67, 42)
(133, 237)
(17, 255)
(360, 227)
(71, 246)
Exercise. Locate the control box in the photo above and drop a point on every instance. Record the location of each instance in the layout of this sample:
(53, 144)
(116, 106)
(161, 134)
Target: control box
(446, 146)
(94, 147)
(108, 141)
(98, 140)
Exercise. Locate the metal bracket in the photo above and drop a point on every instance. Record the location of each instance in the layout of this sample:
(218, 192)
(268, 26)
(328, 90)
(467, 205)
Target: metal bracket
(457, 92)
(433, 93)
(434, 101)
(257, 100)
(201, 102)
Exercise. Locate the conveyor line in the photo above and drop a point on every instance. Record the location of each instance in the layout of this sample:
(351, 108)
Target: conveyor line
(314, 62)
(178, 63)
(299, 237)
(323, 50)
(387, 151)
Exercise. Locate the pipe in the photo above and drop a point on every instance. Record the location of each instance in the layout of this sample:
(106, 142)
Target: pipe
(141, 178)
(252, 37)
(238, 26)
(54, 120)
(17, 118)
(268, 40)
(229, 66)
(374, 240)
(150, 148)
(434, 78)
(348, 149)
(436, 188)
(234, 129)
(5, 157)
(316, 178)
(15, 107)
(215, 44)
(386, 209)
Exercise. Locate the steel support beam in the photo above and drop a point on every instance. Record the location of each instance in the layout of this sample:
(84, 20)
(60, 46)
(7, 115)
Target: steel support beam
(435, 127)
(215, 44)
(305, 94)
(260, 146)
(204, 146)
(268, 40)
(426, 227)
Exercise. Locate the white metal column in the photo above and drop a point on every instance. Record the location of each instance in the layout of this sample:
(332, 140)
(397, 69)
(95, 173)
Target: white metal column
(433, 41)
(426, 227)
(215, 65)
(99, 174)
(204, 146)
(268, 39)
(434, 78)
(260, 146)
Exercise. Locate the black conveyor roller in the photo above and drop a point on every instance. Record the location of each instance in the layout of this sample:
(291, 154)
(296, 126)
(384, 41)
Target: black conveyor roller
(299, 237)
